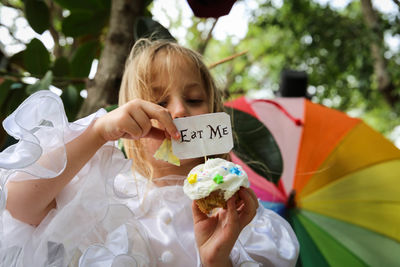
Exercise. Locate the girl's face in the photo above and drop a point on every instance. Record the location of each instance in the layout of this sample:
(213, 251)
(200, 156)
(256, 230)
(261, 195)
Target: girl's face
(184, 94)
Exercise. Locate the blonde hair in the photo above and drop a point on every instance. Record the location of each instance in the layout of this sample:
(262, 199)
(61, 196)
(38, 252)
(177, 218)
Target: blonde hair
(136, 83)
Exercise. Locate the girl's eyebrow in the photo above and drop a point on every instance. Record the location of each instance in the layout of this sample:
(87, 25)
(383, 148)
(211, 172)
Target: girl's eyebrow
(157, 88)
(192, 84)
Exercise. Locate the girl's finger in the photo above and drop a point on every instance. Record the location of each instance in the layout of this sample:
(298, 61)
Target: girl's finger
(141, 118)
(130, 127)
(156, 133)
(161, 114)
(248, 210)
(232, 212)
(253, 195)
(198, 215)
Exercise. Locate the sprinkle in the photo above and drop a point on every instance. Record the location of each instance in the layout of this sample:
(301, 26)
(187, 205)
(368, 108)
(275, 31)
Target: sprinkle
(235, 170)
(192, 178)
(218, 179)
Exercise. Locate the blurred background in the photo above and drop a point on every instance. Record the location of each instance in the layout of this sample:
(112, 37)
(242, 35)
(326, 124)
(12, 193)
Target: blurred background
(348, 50)
(332, 170)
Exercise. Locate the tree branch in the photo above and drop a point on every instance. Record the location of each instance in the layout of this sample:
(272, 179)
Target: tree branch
(213, 65)
(8, 4)
(203, 45)
(56, 80)
(385, 83)
(55, 11)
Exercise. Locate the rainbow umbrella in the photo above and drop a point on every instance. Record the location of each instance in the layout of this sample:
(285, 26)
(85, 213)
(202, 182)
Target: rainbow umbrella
(339, 186)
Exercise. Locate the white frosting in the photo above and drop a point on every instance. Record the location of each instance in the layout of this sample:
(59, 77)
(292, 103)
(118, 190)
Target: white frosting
(233, 178)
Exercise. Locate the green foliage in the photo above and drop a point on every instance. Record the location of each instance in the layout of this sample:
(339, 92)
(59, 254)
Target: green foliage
(81, 61)
(61, 67)
(332, 46)
(72, 101)
(68, 65)
(38, 15)
(36, 57)
(5, 87)
(87, 4)
(42, 84)
(78, 29)
(14, 97)
(83, 22)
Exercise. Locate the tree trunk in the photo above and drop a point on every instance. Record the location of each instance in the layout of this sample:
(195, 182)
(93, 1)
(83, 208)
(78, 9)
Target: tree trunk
(103, 89)
(385, 84)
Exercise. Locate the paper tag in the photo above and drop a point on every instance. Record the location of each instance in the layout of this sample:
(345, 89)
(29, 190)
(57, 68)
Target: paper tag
(203, 135)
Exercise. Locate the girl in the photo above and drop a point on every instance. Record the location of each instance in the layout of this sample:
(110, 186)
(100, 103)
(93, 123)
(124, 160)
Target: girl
(72, 198)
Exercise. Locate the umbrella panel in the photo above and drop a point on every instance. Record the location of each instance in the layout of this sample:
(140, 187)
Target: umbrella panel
(373, 248)
(360, 148)
(334, 253)
(323, 129)
(310, 255)
(367, 198)
(286, 133)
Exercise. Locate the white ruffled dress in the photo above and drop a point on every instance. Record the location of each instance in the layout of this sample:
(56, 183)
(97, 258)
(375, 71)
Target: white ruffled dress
(107, 216)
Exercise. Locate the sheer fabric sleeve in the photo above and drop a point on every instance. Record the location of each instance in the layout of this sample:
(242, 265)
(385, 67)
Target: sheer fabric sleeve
(268, 240)
(84, 207)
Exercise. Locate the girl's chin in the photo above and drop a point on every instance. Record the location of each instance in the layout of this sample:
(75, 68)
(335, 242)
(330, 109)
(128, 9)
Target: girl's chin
(162, 168)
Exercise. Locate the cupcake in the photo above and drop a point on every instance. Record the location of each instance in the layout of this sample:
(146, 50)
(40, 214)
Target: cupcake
(211, 184)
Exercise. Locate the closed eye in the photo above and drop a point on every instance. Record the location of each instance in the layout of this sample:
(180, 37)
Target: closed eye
(195, 101)
(163, 103)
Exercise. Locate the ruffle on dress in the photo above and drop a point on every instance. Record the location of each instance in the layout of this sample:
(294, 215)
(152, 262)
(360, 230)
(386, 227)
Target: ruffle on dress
(88, 227)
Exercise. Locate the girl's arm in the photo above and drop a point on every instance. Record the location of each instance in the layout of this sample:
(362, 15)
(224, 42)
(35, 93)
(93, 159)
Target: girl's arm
(31, 200)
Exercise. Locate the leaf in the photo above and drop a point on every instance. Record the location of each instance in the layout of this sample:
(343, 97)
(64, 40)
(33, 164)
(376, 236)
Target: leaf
(38, 15)
(16, 95)
(87, 4)
(82, 60)
(82, 22)
(5, 87)
(255, 145)
(17, 59)
(42, 84)
(145, 27)
(111, 107)
(61, 67)
(36, 57)
(72, 102)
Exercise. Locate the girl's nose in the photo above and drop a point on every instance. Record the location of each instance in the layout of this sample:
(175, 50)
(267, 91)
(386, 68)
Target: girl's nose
(178, 108)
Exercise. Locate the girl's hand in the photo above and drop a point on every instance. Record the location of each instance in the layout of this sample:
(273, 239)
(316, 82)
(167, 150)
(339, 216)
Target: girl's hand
(216, 235)
(133, 121)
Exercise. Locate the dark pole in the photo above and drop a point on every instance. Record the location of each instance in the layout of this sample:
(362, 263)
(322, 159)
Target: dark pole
(293, 83)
